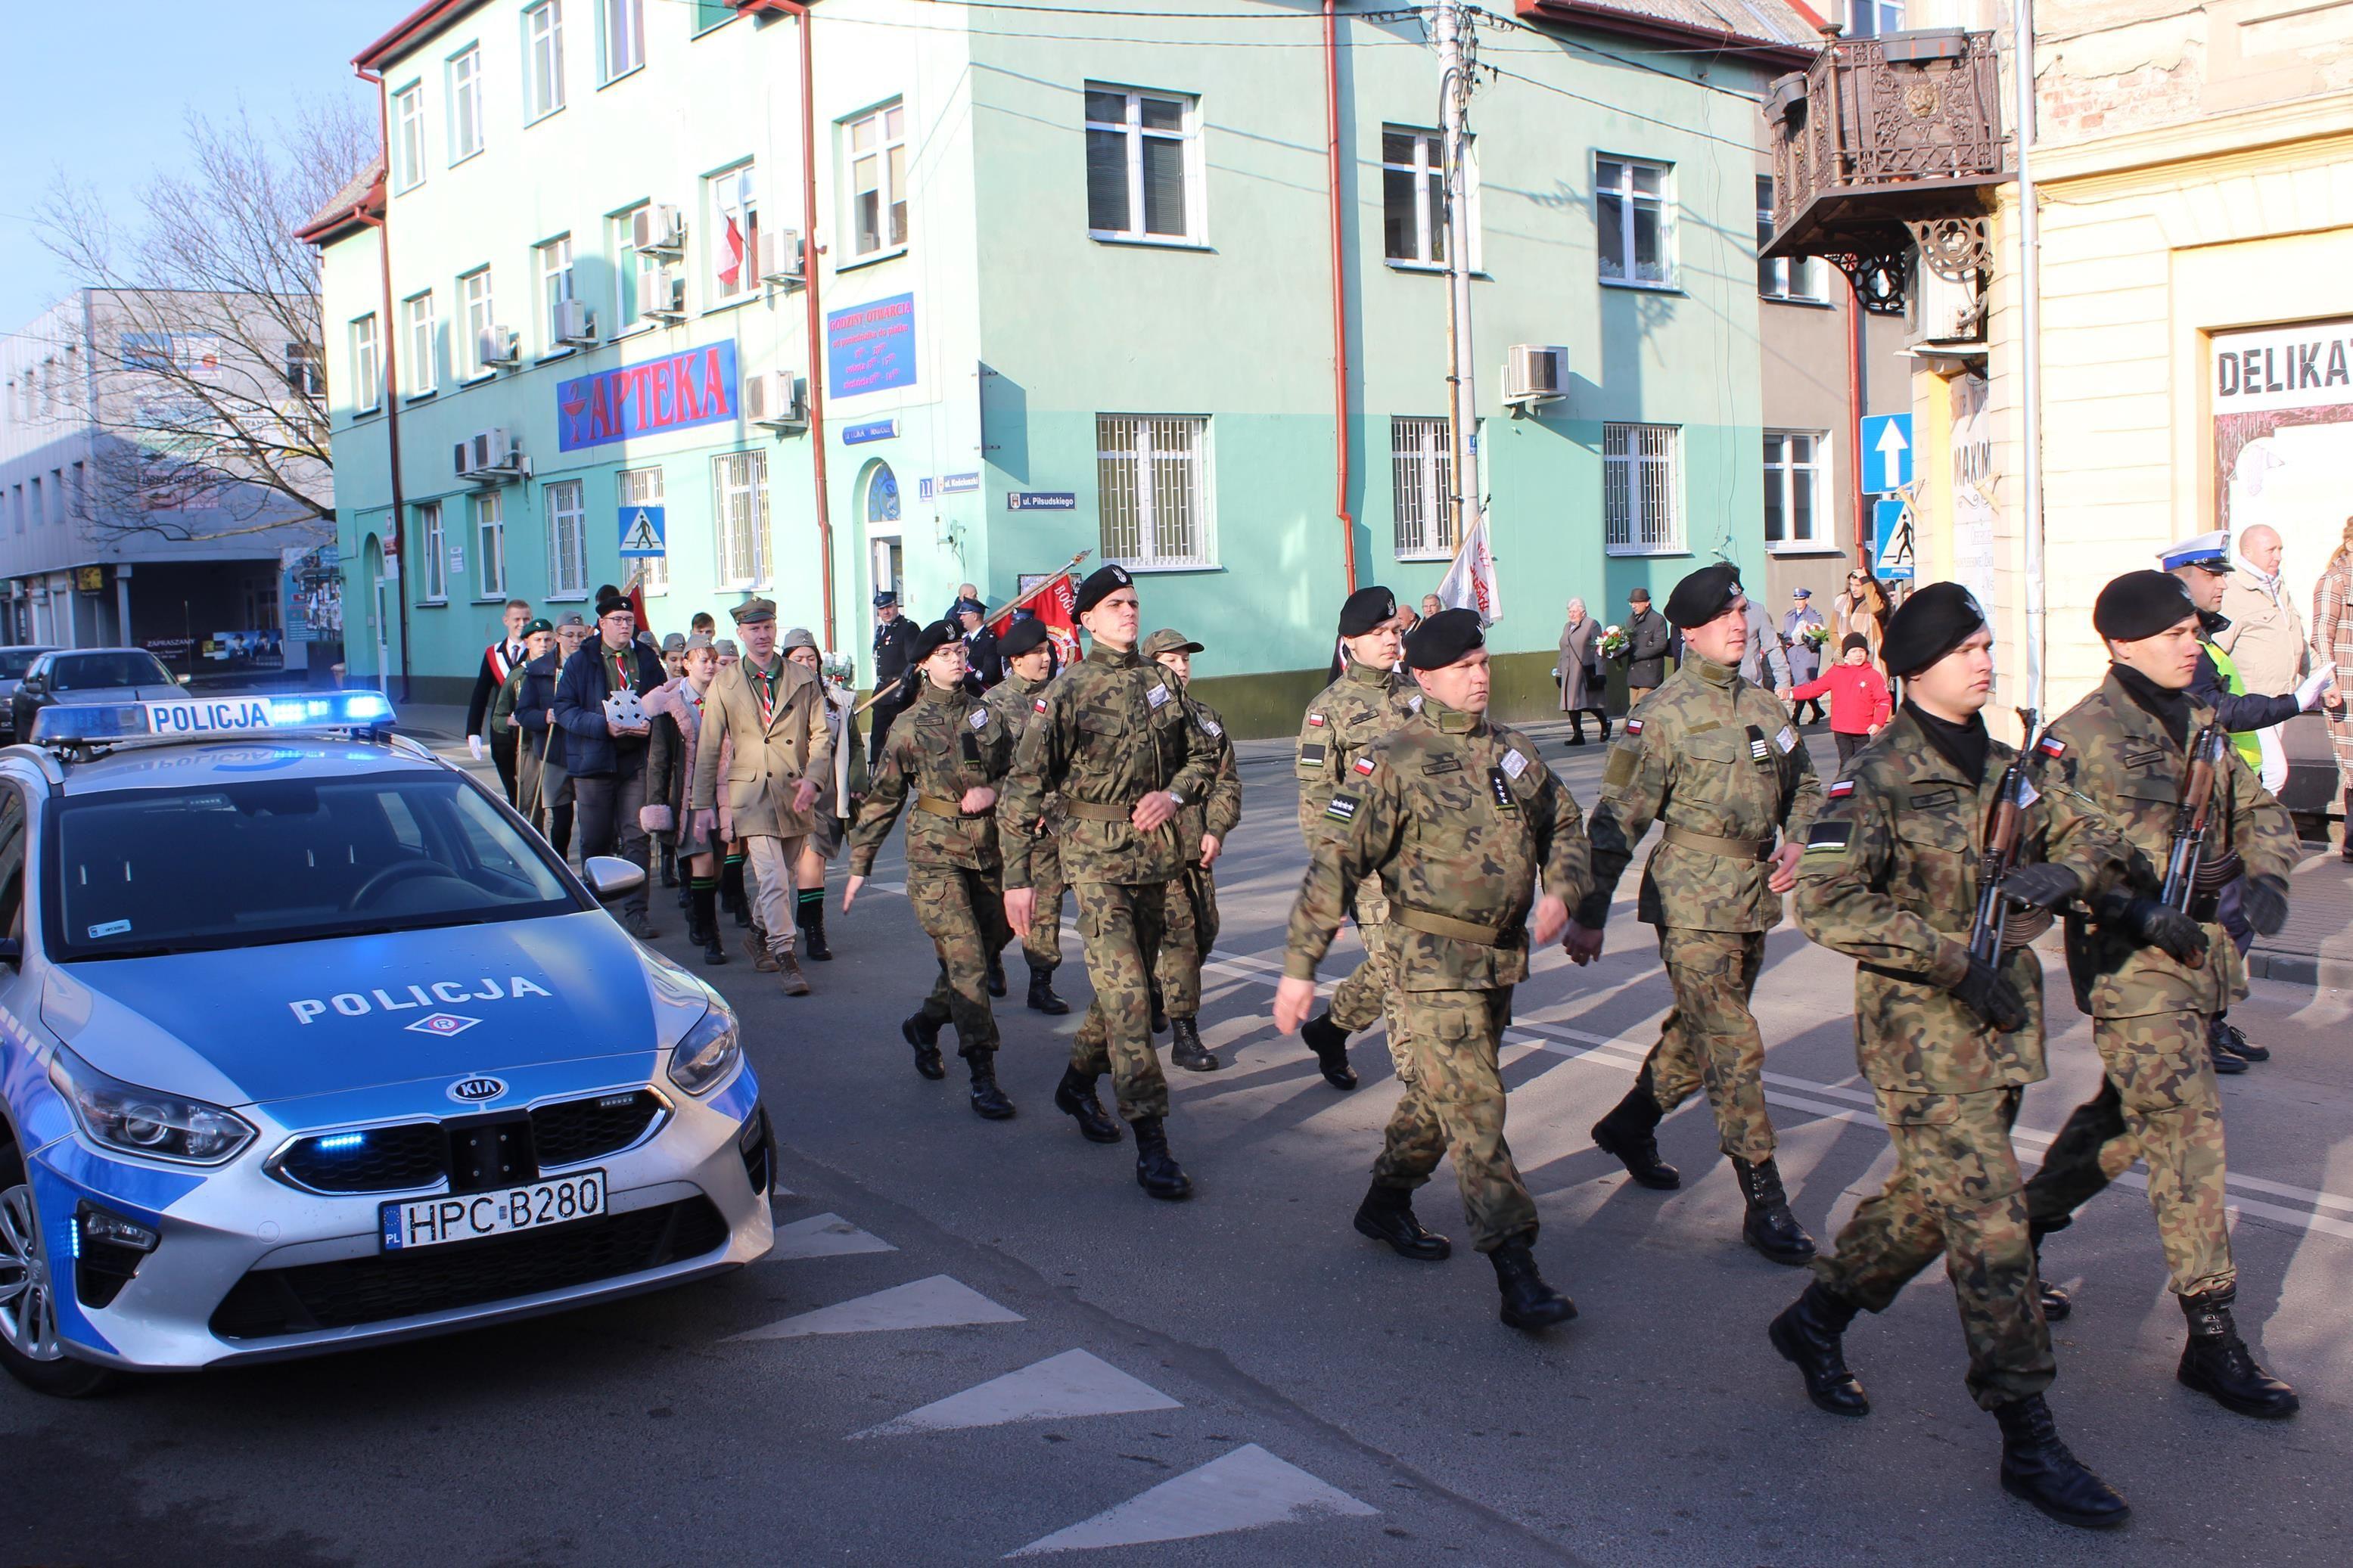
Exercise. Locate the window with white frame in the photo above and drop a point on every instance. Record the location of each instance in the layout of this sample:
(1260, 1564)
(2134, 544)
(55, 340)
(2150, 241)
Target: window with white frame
(1153, 490)
(409, 137)
(1633, 213)
(738, 483)
(1783, 279)
(490, 545)
(567, 541)
(542, 59)
(420, 337)
(474, 295)
(1873, 18)
(878, 181)
(733, 203)
(627, 263)
(306, 370)
(465, 103)
(1793, 488)
(1143, 172)
(1421, 469)
(1641, 490)
(433, 586)
(367, 366)
(554, 285)
(642, 487)
(625, 37)
(1413, 197)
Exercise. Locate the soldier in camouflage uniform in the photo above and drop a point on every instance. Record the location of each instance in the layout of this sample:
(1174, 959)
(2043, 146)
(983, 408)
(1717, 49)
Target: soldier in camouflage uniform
(947, 752)
(1367, 698)
(1029, 655)
(1947, 1040)
(2126, 746)
(1458, 818)
(1201, 828)
(1113, 737)
(1714, 759)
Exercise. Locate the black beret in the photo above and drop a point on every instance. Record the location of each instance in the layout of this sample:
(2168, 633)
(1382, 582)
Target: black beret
(1100, 585)
(610, 603)
(1929, 625)
(1365, 609)
(1022, 636)
(2141, 604)
(932, 639)
(1444, 638)
(1704, 595)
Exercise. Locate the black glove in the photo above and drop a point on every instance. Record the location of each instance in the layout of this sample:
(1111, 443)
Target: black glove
(2264, 903)
(2154, 924)
(2044, 887)
(1991, 996)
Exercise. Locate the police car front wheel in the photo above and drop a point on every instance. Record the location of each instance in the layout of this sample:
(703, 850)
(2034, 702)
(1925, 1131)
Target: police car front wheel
(28, 1308)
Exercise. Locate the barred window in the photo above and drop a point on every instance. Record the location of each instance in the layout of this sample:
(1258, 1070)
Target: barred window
(567, 541)
(1151, 477)
(1641, 490)
(1422, 463)
(740, 480)
(642, 487)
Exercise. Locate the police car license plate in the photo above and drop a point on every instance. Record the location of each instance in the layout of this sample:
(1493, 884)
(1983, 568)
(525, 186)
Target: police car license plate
(468, 1216)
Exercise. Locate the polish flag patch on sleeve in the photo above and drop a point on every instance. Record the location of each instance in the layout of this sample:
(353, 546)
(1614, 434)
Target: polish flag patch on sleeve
(1365, 765)
(2051, 746)
(1316, 721)
(1633, 726)
(1039, 705)
(1842, 789)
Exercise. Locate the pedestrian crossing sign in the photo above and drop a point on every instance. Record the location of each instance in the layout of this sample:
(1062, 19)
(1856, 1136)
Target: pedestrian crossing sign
(642, 533)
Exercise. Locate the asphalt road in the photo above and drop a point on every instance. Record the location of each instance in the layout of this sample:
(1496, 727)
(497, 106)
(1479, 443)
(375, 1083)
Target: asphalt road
(1057, 1363)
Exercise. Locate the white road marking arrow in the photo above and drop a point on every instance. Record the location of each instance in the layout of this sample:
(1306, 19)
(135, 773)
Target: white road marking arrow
(1246, 1489)
(1069, 1385)
(938, 1302)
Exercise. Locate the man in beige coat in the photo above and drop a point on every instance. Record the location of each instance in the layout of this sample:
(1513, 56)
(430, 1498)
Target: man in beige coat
(770, 713)
(2265, 636)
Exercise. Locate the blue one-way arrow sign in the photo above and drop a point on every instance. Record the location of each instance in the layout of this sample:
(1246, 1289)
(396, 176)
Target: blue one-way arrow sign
(1885, 448)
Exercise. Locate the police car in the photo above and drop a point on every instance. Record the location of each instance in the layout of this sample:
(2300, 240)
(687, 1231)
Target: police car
(307, 1041)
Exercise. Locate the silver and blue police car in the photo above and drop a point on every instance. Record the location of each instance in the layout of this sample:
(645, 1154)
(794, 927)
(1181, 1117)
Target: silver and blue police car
(307, 1041)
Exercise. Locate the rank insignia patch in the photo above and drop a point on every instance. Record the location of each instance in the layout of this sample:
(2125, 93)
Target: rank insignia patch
(1342, 809)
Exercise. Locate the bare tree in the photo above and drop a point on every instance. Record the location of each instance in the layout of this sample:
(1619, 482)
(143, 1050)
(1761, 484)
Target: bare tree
(207, 387)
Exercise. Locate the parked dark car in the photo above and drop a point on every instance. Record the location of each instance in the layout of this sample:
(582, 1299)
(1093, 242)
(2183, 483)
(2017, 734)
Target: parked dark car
(83, 675)
(14, 663)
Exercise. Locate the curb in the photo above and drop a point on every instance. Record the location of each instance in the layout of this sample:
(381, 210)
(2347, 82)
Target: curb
(2314, 970)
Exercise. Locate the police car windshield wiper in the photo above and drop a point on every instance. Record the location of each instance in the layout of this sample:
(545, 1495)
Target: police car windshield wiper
(145, 950)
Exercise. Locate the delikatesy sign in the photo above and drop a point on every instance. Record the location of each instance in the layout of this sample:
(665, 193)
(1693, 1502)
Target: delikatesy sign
(870, 347)
(676, 391)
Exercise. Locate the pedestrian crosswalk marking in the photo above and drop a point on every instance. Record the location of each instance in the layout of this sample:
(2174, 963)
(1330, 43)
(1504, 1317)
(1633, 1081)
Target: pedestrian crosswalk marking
(1246, 1489)
(824, 1235)
(1070, 1384)
(938, 1302)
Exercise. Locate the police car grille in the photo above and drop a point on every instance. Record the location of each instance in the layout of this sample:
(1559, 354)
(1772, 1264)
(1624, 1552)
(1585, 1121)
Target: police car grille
(385, 1160)
(356, 1290)
(577, 1130)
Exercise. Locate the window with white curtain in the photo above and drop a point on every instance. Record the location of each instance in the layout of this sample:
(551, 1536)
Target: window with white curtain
(1793, 488)
(367, 366)
(1641, 490)
(740, 490)
(1422, 467)
(1633, 217)
(1153, 490)
(878, 181)
(419, 341)
(567, 541)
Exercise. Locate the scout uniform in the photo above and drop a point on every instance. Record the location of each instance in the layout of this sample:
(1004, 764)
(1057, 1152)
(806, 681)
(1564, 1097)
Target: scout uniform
(1177, 975)
(1014, 699)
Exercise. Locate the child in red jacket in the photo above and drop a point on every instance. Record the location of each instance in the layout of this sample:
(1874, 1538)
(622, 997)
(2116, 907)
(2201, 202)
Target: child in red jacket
(1859, 705)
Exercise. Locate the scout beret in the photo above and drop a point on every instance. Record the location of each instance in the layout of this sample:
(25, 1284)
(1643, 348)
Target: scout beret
(1365, 609)
(2141, 604)
(1100, 585)
(1929, 625)
(612, 603)
(541, 624)
(674, 643)
(751, 612)
(1444, 638)
(797, 637)
(725, 649)
(572, 619)
(1022, 636)
(932, 639)
(700, 641)
(1168, 641)
(1704, 595)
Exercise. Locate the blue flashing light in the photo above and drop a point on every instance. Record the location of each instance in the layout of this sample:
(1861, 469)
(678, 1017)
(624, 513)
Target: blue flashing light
(339, 1142)
(203, 718)
(84, 722)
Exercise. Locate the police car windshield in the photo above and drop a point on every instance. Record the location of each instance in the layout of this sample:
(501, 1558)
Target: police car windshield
(247, 862)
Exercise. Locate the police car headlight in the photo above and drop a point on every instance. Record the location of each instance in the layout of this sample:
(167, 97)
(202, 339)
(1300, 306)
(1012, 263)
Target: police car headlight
(118, 1115)
(708, 1053)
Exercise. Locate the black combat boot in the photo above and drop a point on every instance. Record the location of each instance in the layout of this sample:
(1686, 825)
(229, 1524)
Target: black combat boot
(2216, 1363)
(1156, 1170)
(2225, 1064)
(1386, 1214)
(988, 1101)
(1330, 1043)
(2036, 1466)
(1074, 1097)
(1628, 1131)
(1806, 1333)
(2056, 1302)
(1768, 1225)
(732, 899)
(924, 1035)
(995, 975)
(808, 914)
(669, 867)
(704, 932)
(1041, 993)
(1186, 1049)
(1528, 1302)
(2227, 1039)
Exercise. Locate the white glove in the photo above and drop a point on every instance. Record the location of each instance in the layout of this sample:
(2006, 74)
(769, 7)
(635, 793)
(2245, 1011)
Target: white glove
(2307, 695)
(474, 744)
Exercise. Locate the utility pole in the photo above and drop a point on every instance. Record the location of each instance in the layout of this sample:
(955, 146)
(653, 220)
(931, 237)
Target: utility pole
(1457, 51)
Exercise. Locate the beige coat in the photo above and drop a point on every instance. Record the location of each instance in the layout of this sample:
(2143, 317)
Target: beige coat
(2266, 638)
(762, 767)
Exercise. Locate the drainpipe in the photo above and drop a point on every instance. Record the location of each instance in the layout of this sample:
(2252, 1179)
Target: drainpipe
(1863, 519)
(391, 368)
(2029, 251)
(1339, 293)
(800, 11)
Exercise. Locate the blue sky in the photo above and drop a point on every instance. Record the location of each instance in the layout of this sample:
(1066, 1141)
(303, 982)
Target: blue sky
(100, 91)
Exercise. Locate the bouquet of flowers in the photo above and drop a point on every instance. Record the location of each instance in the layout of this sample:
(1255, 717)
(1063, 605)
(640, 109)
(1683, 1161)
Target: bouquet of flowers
(839, 670)
(1613, 641)
(1815, 633)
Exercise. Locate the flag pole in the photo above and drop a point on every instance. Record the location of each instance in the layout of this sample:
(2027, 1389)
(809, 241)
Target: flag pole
(1010, 606)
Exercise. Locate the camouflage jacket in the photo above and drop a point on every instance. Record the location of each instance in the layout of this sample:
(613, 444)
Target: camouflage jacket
(1103, 734)
(1456, 816)
(947, 742)
(1218, 811)
(1015, 699)
(1711, 754)
(2117, 753)
(1890, 878)
(1345, 718)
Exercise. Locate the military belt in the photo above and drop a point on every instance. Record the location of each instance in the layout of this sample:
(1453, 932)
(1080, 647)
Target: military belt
(939, 805)
(1447, 926)
(1709, 844)
(1090, 811)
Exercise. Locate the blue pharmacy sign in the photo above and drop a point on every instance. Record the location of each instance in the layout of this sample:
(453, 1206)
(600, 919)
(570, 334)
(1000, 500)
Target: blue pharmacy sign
(652, 397)
(870, 347)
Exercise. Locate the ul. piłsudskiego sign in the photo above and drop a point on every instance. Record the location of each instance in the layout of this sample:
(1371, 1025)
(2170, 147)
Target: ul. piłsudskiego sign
(676, 392)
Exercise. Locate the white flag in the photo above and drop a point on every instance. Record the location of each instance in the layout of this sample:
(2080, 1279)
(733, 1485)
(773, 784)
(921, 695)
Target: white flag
(1469, 582)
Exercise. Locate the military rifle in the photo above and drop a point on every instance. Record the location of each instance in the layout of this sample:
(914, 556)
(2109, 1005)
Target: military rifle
(2192, 819)
(2016, 792)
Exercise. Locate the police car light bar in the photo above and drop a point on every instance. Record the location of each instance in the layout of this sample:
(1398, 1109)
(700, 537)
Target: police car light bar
(102, 723)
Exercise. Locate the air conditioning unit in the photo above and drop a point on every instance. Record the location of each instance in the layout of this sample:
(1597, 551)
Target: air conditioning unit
(659, 229)
(780, 256)
(1938, 310)
(496, 346)
(575, 325)
(661, 294)
(490, 455)
(774, 399)
(1534, 373)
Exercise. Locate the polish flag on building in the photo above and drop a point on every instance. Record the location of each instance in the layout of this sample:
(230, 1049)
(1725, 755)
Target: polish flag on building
(1056, 603)
(742, 223)
(1469, 582)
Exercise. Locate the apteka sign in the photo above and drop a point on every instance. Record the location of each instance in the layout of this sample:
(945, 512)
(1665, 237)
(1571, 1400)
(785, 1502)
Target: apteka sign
(676, 392)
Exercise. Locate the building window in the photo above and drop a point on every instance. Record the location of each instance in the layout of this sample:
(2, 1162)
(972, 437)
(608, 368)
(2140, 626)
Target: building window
(883, 498)
(740, 486)
(878, 181)
(1783, 279)
(1153, 491)
(1421, 469)
(734, 230)
(567, 541)
(367, 369)
(1413, 197)
(554, 285)
(627, 263)
(1793, 488)
(419, 340)
(57, 495)
(474, 294)
(642, 487)
(465, 103)
(409, 137)
(490, 545)
(1641, 490)
(433, 585)
(1873, 18)
(1141, 174)
(1630, 203)
(79, 500)
(625, 37)
(306, 370)
(542, 59)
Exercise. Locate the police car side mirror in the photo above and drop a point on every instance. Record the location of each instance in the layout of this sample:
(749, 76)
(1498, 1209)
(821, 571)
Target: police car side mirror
(609, 876)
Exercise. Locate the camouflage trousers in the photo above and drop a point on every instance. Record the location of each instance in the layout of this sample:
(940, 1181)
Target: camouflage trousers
(1956, 1190)
(1123, 926)
(1370, 993)
(1178, 970)
(1710, 1039)
(2158, 1104)
(1043, 945)
(1453, 1105)
(964, 914)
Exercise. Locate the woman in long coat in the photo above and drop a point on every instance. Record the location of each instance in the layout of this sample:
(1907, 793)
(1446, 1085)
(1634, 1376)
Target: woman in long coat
(2332, 643)
(1578, 673)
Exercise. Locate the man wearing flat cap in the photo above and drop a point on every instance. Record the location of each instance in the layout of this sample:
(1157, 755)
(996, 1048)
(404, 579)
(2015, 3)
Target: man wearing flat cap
(1714, 759)
(1202, 826)
(771, 713)
(1481, 852)
(1114, 738)
(605, 756)
(1028, 653)
(2152, 975)
(1648, 640)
